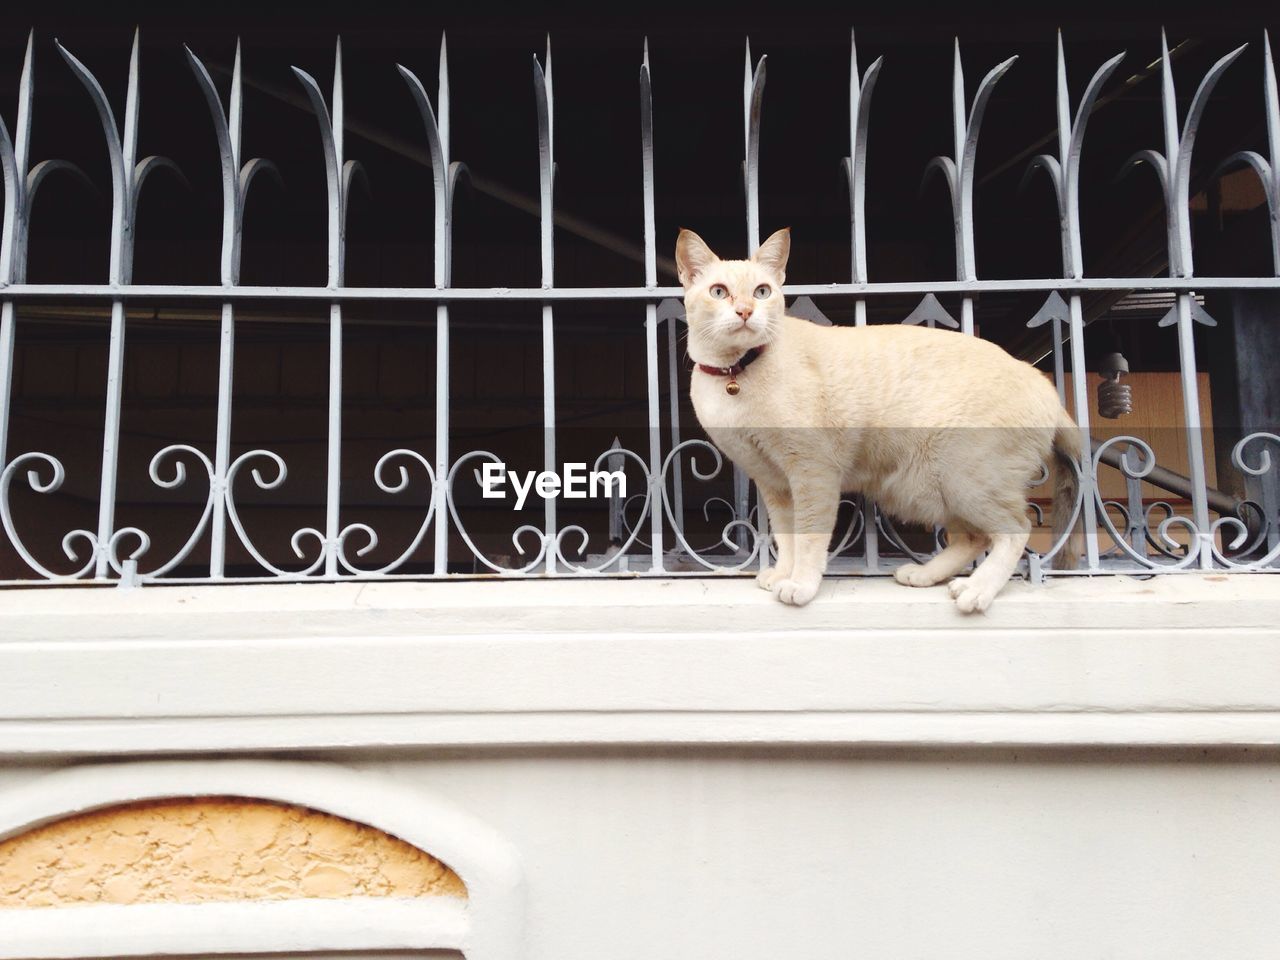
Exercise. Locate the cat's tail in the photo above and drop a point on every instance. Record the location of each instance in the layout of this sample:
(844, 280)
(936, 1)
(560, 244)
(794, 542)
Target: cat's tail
(1067, 456)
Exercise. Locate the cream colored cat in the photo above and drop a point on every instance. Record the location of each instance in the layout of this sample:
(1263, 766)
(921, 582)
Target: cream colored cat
(937, 427)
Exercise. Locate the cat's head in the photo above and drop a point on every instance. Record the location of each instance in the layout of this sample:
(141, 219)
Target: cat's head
(731, 305)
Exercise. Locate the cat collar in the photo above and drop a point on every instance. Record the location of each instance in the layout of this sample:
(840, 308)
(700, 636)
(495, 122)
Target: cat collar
(748, 358)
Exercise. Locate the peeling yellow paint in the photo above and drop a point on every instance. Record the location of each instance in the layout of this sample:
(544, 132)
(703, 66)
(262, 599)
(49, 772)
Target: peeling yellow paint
(212, 848)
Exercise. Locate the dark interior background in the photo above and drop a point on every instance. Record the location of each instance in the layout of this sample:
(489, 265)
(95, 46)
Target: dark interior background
(696, 56)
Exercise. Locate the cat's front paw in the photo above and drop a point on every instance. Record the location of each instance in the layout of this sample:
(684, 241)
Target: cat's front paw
(971, 594)
(795, 592)
(767, 578)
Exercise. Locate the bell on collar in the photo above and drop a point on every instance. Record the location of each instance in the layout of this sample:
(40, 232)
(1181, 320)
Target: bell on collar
(732, 388)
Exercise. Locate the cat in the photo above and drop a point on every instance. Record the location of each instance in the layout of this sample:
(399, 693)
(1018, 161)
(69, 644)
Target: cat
(939, 428)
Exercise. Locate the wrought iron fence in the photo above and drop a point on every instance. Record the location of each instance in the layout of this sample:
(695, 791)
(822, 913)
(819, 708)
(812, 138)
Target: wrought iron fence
(647, 529)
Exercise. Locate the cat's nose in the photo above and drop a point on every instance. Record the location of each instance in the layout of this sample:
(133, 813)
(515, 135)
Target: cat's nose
(744, 311)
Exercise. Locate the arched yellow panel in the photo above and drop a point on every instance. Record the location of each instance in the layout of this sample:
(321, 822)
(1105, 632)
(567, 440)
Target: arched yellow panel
(212, 848)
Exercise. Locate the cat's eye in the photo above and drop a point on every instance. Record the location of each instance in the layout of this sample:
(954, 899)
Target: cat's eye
(763, 291)
(719, 291)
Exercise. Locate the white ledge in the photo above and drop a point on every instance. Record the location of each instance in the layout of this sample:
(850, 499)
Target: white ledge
(1168, 661)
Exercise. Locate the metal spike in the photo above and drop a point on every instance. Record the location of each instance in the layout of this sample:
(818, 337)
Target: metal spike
(1168, 100)
(1064, 170)
(26, 91)
(333, 176)
(236, 107)
(1063, 104)
(1198, 315)
(132, 106)
(1271, 101)
(551, 100)
(546, 169)
(804, 308)
(12, 231)
(1194, 114)
(957, 103)
(232, 195)
(338, 110)
(14, 157)
(120, 264)
(860, 91)
(647, 174)
(670, 309)
(442, 97)
(1054, 308)
(751, 160)
(930, 310)
(1174, 168)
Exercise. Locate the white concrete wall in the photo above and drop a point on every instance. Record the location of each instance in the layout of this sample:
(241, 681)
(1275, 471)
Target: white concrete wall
(1092, 772)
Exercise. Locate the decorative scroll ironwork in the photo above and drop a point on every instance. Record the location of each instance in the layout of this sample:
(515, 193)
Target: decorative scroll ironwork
(648, 531)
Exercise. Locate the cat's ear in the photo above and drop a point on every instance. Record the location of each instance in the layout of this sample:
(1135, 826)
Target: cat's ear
(692, 257)
(773, 253)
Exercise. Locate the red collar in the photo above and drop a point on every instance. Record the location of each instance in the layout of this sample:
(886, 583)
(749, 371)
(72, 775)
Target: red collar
(742, 363)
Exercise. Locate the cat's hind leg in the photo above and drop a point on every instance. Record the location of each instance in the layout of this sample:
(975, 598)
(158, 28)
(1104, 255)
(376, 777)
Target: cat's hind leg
(974, 594)
(961, 549)
(782, 525)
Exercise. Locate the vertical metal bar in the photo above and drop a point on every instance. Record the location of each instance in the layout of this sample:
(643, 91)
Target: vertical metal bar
(655, 435)
(222, 441)
(7, 324)
(337, 250)
(1271, 508)
(1175, 170)
(338, 177)
(443, 278)
(1080, 395)
(121, 273)
(673, 403)
(235, 186)
(752, 101)
(545, 101)
(651, 314)
(1059, 374)
(549, 421)
(1137, 529)
(1064, 173)
(1195, 440)
(333, 460)
(111, 437)
(440, 491)
(15, 155)
(443, 175)
(122, 152)
(742, 505)
(860, 90)
(1271, 173)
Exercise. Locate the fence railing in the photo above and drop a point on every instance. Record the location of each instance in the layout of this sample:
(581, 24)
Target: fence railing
(647, 529)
